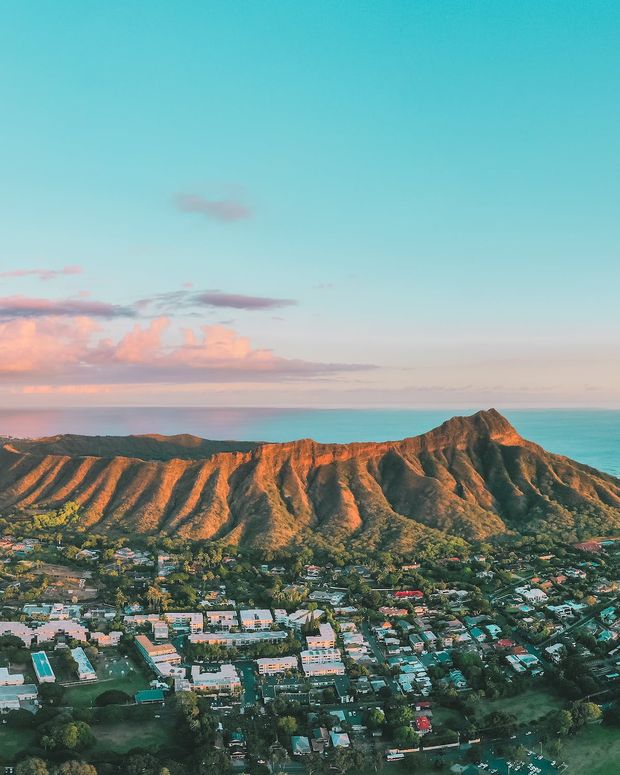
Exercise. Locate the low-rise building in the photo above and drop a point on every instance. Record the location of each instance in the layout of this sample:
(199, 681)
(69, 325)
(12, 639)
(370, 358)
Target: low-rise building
(273, 665)
(225, 620)
(161, 657)
(86, 672)
(65, 628)
(238, 639)
(105, 639)
(316, 656)
(226, 680)
(314, 669)
(326, 639)
(255, 619)
(18, 630)
(42, 668)
(10, 679)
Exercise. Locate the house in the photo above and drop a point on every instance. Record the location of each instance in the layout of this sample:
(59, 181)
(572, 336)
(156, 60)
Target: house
(339, 739)
(320, 739)
(532, 594)
(555, 652)
(300, 745)
(423, 725)
(237, 745)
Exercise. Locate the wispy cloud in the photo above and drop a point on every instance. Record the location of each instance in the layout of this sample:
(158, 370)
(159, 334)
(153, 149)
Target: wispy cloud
(27, 307)
(41, 274)
(225, 210)
(214, 299)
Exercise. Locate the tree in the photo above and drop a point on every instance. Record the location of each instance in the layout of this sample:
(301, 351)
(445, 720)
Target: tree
(405, 737)
(346, 760)
(375, 718)
(585, 713)
(32, 766)
(75, 768)
(153, 597)
(51, 694)
(287, 725)
(560, 723)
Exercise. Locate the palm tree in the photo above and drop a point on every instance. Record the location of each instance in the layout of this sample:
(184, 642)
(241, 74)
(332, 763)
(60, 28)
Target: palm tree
(153, 596)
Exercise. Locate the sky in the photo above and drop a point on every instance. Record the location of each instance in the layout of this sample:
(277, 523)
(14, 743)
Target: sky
(310, 204)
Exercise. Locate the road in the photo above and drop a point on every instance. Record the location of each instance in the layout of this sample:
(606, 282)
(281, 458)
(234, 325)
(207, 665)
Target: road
(248, 679)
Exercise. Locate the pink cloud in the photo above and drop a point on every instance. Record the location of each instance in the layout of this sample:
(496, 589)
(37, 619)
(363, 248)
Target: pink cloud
(26, 307)
(216, 209)
(70, 351)
(42, 274)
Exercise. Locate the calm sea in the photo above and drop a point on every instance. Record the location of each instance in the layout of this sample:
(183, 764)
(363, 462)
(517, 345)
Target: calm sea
(590, 436)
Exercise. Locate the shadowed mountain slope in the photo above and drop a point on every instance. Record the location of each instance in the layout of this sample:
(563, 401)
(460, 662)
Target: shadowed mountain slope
(471, 477)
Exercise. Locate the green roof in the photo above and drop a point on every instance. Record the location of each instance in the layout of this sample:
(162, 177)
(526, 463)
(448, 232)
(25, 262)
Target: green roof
(149, 695)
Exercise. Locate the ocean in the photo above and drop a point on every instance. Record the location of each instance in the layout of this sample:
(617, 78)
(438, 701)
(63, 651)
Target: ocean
(590, 436)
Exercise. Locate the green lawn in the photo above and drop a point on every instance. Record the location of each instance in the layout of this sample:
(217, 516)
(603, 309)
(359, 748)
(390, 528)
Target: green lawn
(530, 706)
(114, 673)
(595, 751)
(121, 737)
(14, 741)
(84, 696)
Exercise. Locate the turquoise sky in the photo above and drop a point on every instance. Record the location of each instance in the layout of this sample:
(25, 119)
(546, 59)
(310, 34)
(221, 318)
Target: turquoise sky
(395, 203)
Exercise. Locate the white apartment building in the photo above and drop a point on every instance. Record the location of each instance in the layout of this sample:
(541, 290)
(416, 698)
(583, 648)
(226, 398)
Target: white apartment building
(225, 620)
(318, 656)
(297, 619)
(323, 668)
(256, 619)
(273, 665)
(326, 639)
(194, 619)
(226, 680)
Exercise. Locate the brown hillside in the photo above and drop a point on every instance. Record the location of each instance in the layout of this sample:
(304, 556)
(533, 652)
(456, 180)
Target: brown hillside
(472, 477)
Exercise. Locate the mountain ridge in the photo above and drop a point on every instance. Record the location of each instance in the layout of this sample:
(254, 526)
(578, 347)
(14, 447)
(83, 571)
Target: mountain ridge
(471, 477)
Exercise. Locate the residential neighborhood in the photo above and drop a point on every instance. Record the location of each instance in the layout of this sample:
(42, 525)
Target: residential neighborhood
(421, 660)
